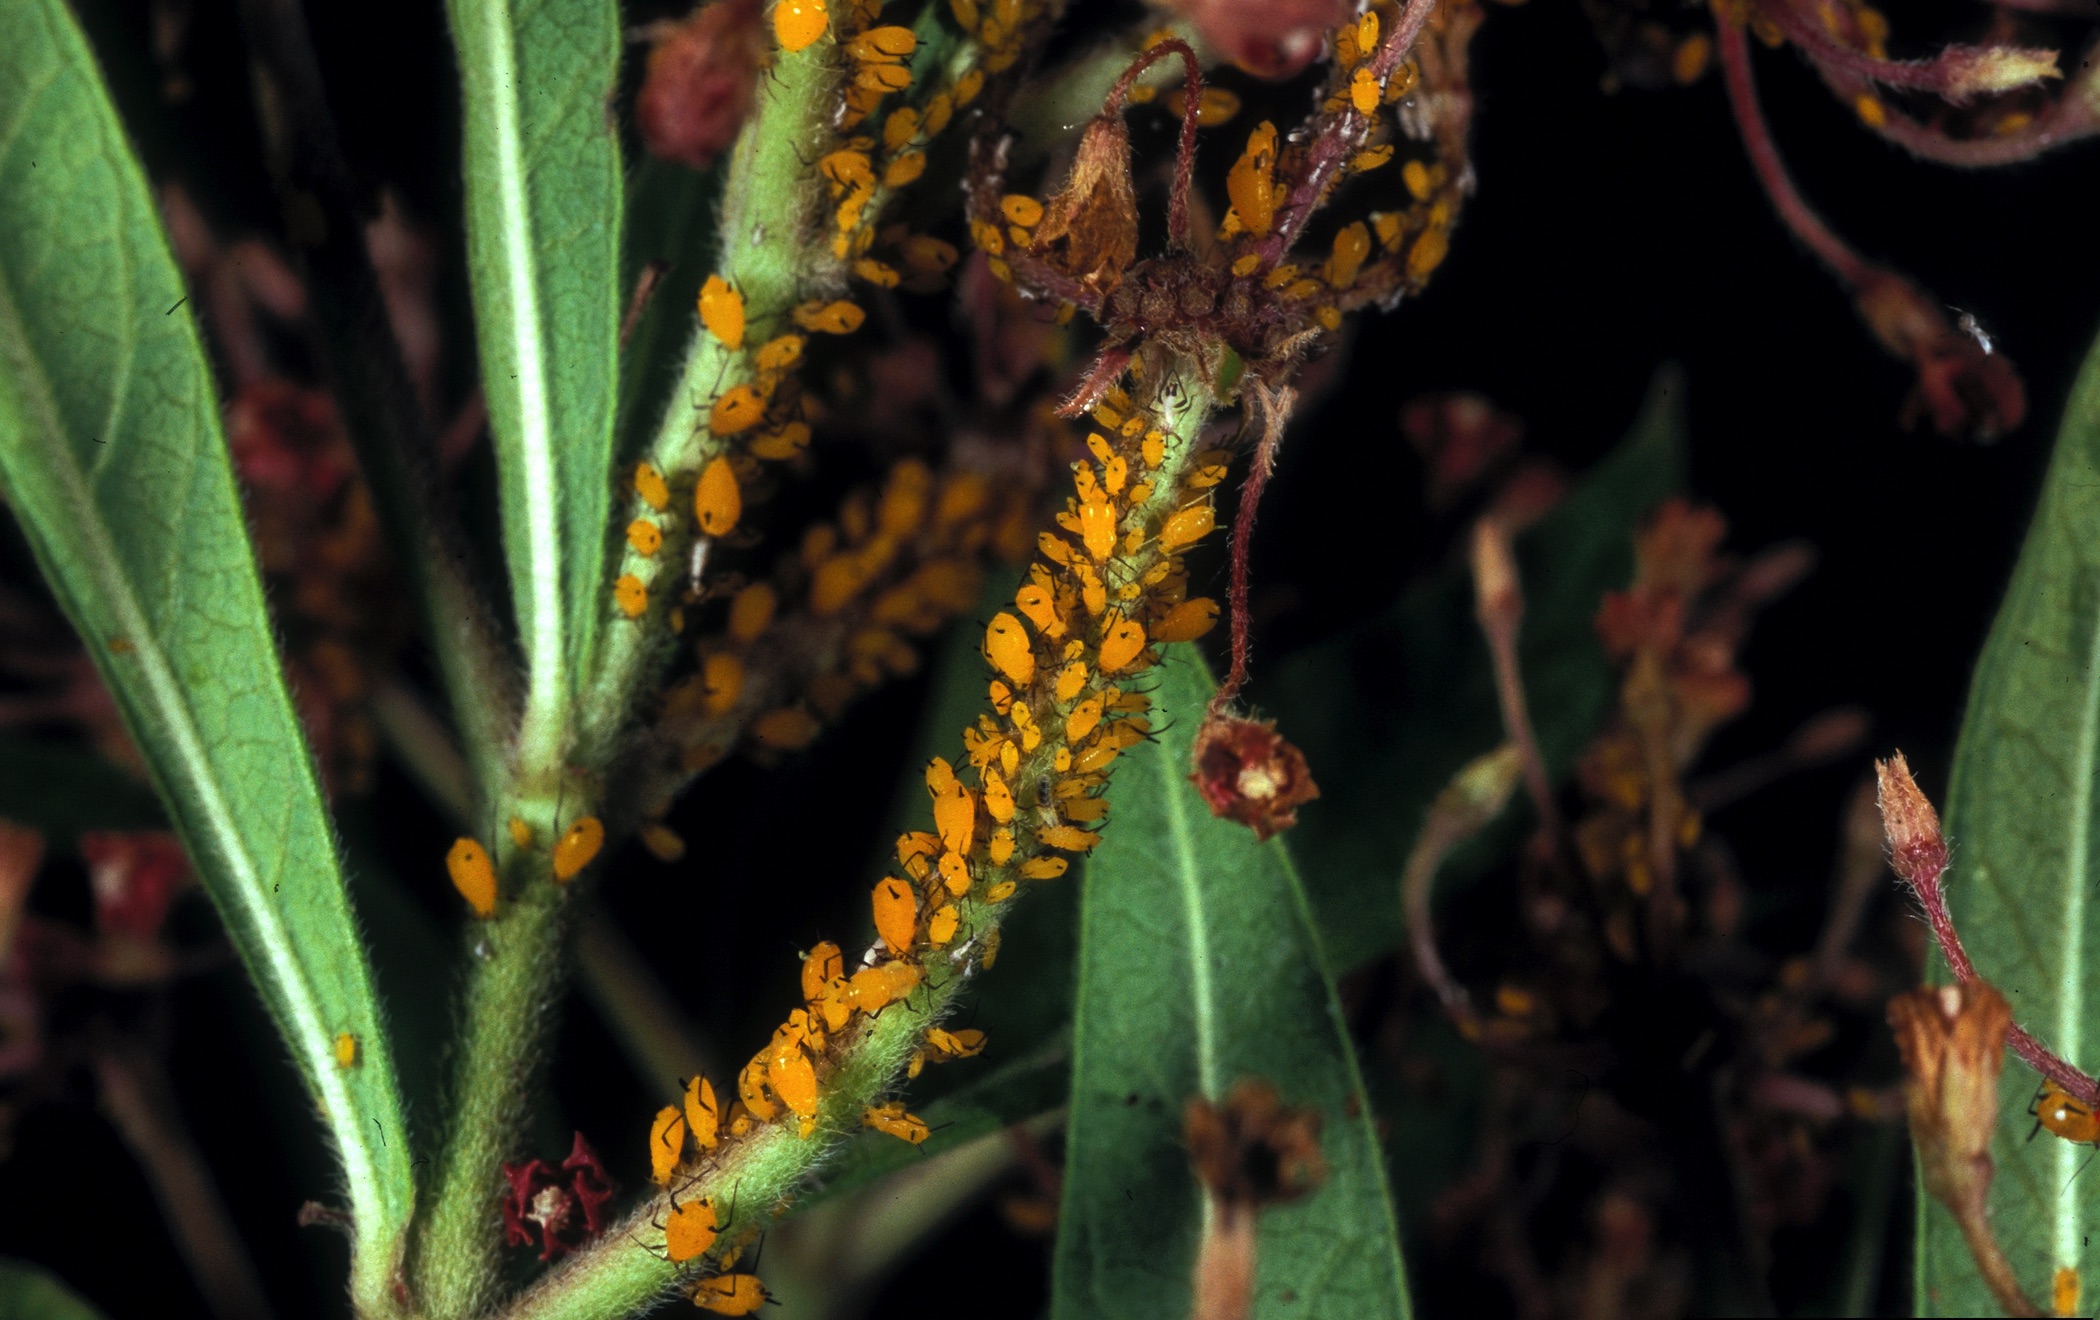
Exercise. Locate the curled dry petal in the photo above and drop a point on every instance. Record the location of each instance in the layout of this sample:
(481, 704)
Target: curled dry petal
(1095, 214)
(1953, 1044)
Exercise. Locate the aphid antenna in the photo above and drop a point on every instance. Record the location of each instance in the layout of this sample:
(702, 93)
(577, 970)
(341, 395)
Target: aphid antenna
(2075, 1172)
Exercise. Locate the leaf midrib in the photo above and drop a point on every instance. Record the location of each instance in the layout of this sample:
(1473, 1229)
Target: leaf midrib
(1202, 992)
(548, 682)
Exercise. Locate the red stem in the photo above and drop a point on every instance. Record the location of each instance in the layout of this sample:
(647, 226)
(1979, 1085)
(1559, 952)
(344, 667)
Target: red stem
(1334, 142)
(1935, 75)
(1276, 411)
(1794, 211)
(1932, 896)
(1185, 149)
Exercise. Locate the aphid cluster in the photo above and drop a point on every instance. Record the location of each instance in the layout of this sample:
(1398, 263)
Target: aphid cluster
(839, 616)
(1078, 248)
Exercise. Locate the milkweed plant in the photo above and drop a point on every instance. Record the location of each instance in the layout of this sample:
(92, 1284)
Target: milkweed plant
(838, 352)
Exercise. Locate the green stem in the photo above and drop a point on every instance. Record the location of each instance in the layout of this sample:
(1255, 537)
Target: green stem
(508, 1011)
(770, 203)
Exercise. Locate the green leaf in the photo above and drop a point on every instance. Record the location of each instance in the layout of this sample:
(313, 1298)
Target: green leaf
(543, 249)
(1199, 965)
(2020, 813)
(112, 458)
(64, 789)
(1387, 713)
(31, 1292)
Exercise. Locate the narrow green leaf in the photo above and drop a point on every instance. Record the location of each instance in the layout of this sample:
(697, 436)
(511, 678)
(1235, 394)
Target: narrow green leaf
(2020, 813)
(112, 458)
(543, 249)
(1199, 965)
(1388, 712)
(31, 1292)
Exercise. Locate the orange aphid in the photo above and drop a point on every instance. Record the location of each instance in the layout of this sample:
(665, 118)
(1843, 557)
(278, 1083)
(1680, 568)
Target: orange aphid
(1187, 526)
(576, 848)
(751, 1089)
(780, 353)
(955, 874)
(645, 537)
(690, 1231)
(1352, 247)
(1124, 642)
(473, 875)
(940, 776)
(793, 1078)
(666, 1144)
(732, 1294)
(1251, 183)
(1097, 526)
(2056, 1110)
(1006, 644)
(998, 798)
(942, 925)
(1068, 837)
(736, 411)
(1071, 679)
(1186, 621)
(1037, 603)
(702, 1115)
(1083, 718)
(1364, 91)
(786, 729)
(822, 964)
(1001, 847)
(800, 23)
(1002, 891)
(892, 1120)
(721, 307)
(721, 683)
(904, 169)
(345, 1050)
(965, 1044)
(1044, 868)
(751, 613)
(831, 318)
(718, 502)
(896, 913)
(955, 818)
(631, 595)
(650, 487)
(520, 833)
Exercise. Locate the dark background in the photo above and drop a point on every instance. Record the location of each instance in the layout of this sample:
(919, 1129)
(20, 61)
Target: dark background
(1610, 233)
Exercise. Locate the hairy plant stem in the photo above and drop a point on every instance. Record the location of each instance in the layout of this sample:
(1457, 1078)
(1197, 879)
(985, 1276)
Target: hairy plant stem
(754, 1179)
(506, 1013)
(770, 204)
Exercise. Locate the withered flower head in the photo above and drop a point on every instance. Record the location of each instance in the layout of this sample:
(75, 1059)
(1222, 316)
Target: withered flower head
(1917, 850)
(1253, 1150)
(1953, 1042)
(1250, 773)
(1263, 37)
(1095, 214)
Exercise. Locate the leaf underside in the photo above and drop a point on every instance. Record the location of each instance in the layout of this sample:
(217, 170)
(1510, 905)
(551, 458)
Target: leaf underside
(1199, 966)
(543, 205)
(2020, 816)
(113, 460)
